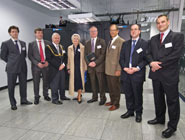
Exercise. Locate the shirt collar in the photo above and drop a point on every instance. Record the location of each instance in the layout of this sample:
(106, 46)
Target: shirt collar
(115, 37)
(55, 44)
(94, 38)
(136, 39)
(166, 32)
(39, 40)
(14, 39)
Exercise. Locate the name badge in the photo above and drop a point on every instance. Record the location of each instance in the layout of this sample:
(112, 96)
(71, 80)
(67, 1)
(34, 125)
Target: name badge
(64, 51)
(79, 50)
(139, 50)
(168, 45)
(113, 47)
(23, 49)
(99, 47)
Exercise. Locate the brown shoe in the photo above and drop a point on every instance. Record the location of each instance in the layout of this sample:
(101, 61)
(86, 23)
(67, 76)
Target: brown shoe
(113, 107)
(108, 104)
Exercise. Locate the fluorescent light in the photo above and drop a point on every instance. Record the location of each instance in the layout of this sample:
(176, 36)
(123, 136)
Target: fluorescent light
(83, 18)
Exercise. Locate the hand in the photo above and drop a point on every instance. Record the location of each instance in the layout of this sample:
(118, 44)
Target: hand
(118, 73)
(40, 65)
(126, 69)
(155, 65)
(68, 71)
(61, 67)
(46, 64)
(135, 69)
(92, 64)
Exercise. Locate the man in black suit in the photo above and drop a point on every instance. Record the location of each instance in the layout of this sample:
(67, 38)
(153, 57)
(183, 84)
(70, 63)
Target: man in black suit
(13, 52)
(164, 52)
(39, 65)
(96, 68)
(132, 61)
(57, 57)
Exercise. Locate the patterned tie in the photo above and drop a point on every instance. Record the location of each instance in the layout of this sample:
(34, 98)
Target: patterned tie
(17, 46)
(92, 45)
(41, 52)
(132, 50)
(161, 38)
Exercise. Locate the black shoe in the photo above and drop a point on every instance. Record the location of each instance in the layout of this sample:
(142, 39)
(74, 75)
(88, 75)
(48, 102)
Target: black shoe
(57, 102)
(76, 98)
(79, 101)
(47, 98)
(14, 107)
(26, 103)
(127, 114)
(36, 101)
(168, 132)
(155, 121)
(92, 100)
(102, 102)
(138, 118)
(65, 98)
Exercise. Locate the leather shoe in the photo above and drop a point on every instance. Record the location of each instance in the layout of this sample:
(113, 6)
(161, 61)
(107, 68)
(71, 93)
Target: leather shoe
(26, 103)
(36, 101)
(65, 98)
(92, 100)
(102, 102)
(138, 118)
(14, 107)
(155, 121)
(47, 98)
(113, 107)
(168, 132)
(108, 104)
(57, 102)
(127, 114)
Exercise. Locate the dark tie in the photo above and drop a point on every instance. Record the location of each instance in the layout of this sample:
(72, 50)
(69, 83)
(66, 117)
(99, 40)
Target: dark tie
(16, 45)
(110, 43)
(132, 50)
(161, 37)
(92, 45)
(41, 52)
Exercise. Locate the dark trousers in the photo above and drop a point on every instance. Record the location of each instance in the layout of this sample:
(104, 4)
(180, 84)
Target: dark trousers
(57, 86)
(134, 96)
(12, 78)
(100, 76)
(36, 81)
(172, 98)
(114, 89)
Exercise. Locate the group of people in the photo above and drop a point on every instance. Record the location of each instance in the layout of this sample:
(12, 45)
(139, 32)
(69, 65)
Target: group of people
(119, 60)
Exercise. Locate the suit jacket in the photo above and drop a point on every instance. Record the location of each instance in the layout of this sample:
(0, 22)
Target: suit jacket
(34, 54)
(112, 57)
(100, 49)
(138, 59)
(15, 60)
(54, 60)
(169, 53)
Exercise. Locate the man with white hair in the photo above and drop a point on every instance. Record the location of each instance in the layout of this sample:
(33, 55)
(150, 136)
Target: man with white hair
(56, 57)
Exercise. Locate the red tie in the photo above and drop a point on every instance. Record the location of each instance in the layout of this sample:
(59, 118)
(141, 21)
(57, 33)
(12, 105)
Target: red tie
(161, 38)
(41, 52)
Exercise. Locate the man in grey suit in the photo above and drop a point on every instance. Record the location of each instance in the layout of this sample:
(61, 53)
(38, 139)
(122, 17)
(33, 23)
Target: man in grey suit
(13, 52)
(36, 54)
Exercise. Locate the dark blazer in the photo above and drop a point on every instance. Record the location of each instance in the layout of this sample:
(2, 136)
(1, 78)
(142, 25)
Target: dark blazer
(55, 61)
(100, 49)
(138, 59)
(34, 54)
(15, 60)
(169, 56)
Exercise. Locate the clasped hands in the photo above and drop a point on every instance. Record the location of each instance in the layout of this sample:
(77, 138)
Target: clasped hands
(131, 70)
(155, 65)
(92, 64)
(40, 65)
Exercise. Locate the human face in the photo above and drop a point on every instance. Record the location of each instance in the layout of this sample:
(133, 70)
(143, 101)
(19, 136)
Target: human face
(93, 32)
(39, 35)
(56, 39)
(14, 34)
(134, 31)
(75, 41)
(162, 24)
(113, 31)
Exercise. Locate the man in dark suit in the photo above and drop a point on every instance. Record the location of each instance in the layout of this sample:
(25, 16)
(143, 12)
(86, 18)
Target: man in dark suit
(132, 61)
(113, 68)
(13, 52)
(39, 65)
(57, 58)
(96, 68)
(164, 52)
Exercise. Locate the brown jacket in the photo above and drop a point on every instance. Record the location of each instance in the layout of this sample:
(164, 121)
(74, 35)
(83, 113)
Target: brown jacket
(70, 65)
(100, 49)
(112, 57)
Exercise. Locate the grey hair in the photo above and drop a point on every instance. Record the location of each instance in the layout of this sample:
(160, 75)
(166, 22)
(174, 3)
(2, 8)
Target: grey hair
(75, 35)
(55, 34)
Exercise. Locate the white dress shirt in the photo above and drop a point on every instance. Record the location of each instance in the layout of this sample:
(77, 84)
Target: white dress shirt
(43, 47)
(165, 34)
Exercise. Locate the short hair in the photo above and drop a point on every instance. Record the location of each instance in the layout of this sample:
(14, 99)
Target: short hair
(13, 27)
(163, 15)
(75, 35)
(139, 26)
(37, 30)
(93, 27)
(115, 26)
(55, 33)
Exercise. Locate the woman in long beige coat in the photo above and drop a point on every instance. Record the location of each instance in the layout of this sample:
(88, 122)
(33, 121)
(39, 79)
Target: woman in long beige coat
(76, 67)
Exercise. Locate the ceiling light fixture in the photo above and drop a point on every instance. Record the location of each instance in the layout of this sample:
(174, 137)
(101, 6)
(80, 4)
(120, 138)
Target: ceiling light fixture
(83, 18)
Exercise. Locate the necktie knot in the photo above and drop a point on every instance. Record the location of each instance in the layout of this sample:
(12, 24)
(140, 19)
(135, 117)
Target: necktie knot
(134, 41)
